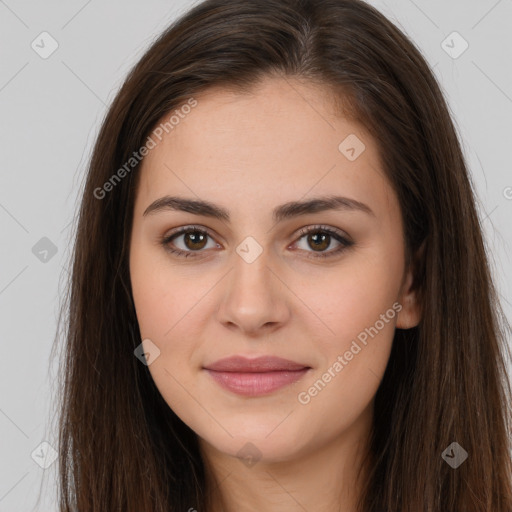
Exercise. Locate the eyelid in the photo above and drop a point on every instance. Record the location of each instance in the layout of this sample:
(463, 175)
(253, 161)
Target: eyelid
(339, 235)
(167, 238)
(324, 228)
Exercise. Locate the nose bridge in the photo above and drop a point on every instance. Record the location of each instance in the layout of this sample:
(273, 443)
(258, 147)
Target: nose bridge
(251, 274)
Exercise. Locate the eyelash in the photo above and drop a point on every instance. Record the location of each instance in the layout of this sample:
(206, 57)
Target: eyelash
(345, 243)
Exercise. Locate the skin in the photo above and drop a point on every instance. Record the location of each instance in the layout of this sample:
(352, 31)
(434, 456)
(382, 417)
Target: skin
(249, 153)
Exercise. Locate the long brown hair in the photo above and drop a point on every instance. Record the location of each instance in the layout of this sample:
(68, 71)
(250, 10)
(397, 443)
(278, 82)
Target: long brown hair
(121, 447)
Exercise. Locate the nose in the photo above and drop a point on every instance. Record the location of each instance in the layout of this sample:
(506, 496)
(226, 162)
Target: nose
(254, 299)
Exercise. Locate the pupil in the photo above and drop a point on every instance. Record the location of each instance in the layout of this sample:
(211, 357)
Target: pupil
(195, 238)
(319, 240)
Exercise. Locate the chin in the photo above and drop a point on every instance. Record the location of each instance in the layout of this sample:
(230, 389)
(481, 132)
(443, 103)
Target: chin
(256, 444)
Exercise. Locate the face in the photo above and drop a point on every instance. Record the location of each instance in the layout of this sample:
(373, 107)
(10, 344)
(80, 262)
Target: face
(266, 263)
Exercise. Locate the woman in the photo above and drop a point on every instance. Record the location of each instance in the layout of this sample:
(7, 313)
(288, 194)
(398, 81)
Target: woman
(280, 295)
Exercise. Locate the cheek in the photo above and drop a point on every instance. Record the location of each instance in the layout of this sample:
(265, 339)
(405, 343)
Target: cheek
(355, 296)
(161, 293)
(153, 304)
(360, 309)
(170, 307)
(358, 305)
(164, 303)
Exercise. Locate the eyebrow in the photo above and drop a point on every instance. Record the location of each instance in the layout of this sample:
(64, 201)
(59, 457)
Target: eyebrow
(280, 213)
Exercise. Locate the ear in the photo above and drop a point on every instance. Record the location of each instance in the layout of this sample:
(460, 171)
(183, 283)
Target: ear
(410, 314)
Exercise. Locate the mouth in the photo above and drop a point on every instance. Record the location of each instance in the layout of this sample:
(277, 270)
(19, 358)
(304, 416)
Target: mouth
(254, 377)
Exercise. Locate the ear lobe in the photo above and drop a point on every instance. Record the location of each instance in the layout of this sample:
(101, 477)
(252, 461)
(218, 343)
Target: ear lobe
(410, 314)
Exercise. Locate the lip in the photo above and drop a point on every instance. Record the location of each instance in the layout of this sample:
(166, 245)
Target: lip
(254, 365)
(258, 376)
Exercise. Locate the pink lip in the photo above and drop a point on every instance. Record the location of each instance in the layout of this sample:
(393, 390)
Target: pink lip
(251, 377)
(257, 365)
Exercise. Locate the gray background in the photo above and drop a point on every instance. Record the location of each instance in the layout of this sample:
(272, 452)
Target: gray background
(50, 111)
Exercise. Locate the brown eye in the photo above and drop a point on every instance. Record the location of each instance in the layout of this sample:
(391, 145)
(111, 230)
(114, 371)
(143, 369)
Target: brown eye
(319, 239)
(187, 241)
(190, 241)
(195, 240)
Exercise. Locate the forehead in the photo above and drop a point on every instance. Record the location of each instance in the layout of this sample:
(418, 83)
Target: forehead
(279, 141)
